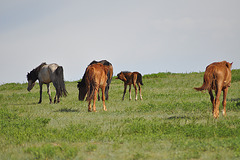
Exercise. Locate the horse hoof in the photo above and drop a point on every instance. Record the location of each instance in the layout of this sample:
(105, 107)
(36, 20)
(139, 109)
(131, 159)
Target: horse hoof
(224, 114)
(215, 116)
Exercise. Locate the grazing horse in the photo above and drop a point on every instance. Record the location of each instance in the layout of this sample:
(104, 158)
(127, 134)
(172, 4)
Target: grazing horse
(82, 85)
(96, 76)
(45, 74)
(217, 77)
(130, 78)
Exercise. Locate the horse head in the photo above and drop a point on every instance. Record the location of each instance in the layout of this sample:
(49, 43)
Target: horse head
(82, 90)
(121, 76)
(31, 77)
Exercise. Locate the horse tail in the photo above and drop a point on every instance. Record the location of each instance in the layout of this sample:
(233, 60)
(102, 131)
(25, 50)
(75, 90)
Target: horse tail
(139, 78)
(60, 82)
(208, 79)
(91, 83)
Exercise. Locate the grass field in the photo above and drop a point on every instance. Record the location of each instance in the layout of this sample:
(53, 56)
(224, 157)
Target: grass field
(172, 122)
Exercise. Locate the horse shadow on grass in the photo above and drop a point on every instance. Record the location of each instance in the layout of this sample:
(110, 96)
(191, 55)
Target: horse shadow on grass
(67, 110)
(235, 100)
(178, 117)
(26, 104)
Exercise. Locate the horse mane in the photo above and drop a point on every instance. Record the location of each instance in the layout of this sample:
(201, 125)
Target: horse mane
(40, 66)
(33, 75)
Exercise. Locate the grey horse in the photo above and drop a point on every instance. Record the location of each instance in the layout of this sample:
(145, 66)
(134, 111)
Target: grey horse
(45, 74)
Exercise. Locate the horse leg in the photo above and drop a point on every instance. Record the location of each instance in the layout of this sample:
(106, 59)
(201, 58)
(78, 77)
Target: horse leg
(224, 103)
(49, 93)
(217, 102)
(98, 96)
(130, 97)
(89, 105)
(135, 87)
(57, 95)
(106, 92)
(55, 98)
(212, 100)
(89, 99)
(95, 98)
(124, 92)
(103, 99)
(40, 100)
(140, 90)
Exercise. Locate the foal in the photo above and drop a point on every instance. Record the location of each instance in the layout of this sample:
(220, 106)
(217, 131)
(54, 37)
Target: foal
(130, 78)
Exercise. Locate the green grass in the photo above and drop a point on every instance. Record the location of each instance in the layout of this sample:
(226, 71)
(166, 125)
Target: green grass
(172, 122)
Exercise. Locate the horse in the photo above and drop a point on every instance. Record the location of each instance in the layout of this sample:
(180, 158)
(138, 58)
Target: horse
(217, 77)
(45, 74)
(130, 78)
(82, 85)
(96, 76)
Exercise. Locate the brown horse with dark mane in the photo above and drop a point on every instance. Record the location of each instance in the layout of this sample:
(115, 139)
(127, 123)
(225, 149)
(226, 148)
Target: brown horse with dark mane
(96, 76)
(130, 78)
(45, 74)
(217, 77)
(82, 87)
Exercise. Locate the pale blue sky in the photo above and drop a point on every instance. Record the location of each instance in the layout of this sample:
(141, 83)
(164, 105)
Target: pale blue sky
(148, 36)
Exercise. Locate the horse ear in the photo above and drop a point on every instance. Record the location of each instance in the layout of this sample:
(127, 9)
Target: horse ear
(229, 65)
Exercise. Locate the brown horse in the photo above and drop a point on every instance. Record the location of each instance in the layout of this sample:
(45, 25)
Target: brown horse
(217, 77)
(130, 78)
(96, 76)
(82, 85)
(45, 74)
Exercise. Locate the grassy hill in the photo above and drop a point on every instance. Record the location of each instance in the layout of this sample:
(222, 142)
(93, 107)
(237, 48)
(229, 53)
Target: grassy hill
(172, 122)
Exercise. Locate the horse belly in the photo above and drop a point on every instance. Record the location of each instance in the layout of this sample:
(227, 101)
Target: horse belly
(44, 76)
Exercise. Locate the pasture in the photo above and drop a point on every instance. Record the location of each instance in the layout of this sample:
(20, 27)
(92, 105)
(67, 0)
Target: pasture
(173, 121)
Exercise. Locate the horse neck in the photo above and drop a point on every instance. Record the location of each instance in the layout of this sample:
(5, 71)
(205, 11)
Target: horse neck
(35, 75)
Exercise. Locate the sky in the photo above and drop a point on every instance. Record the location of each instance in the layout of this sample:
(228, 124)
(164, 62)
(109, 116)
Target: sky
(148, 36)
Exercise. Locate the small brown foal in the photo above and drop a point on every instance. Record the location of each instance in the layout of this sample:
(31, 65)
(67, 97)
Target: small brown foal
(130, 78)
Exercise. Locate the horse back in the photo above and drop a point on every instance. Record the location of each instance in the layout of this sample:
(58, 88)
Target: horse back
(219, 73)
(137, 77)
(133, 77)
(97, 74)
(46, 74)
